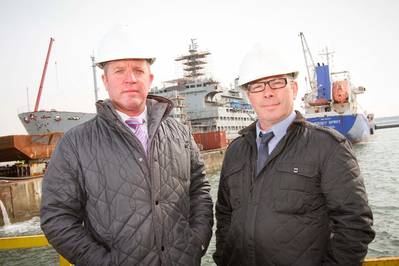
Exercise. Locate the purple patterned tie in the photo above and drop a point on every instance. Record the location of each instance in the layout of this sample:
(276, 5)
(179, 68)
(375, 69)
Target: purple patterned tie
(137, 124)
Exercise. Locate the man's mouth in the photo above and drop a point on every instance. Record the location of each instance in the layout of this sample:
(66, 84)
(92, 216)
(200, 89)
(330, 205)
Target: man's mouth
(270, 105)
(130, 91)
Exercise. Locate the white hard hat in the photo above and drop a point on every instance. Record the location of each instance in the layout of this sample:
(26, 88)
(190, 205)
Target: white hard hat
(119, 44)
(260, 63)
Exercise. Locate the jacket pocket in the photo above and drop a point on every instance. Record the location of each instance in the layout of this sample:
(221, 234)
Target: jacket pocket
(234, 178)
(296, 176)
(293, 187)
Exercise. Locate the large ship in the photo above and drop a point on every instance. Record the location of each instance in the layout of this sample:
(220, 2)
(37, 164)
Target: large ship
(42, 122)
(202, 102)
(332, 99)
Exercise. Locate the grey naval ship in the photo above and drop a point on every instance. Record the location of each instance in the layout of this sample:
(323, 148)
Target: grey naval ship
(201, 102)
(43, 122)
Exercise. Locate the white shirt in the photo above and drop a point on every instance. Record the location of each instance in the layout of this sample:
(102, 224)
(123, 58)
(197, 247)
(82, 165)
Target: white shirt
(143, 116)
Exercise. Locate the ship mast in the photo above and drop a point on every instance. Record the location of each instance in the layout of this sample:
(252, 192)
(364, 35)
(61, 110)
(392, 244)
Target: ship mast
(310, 66)
(194, 61)
(27, 98)
(327, 54)
(93, 65)
(39, 94)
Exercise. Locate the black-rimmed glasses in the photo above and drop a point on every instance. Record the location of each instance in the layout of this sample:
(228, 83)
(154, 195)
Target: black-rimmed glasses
(274, 84)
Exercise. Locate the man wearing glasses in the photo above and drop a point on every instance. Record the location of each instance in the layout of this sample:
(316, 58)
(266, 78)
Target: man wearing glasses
(290, 192)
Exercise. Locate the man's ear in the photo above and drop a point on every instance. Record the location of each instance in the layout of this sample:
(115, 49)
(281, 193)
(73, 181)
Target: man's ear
(294, 88)
(151, 78)
(105, 81)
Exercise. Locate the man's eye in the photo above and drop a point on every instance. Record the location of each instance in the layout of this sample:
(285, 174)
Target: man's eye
(277, 83)
(257, 86)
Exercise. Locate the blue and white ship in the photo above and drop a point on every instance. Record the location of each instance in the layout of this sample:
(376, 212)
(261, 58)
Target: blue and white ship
(332, 100)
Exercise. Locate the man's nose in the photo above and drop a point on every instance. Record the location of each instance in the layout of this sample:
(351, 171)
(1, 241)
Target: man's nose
(268, 92)
(131, 77)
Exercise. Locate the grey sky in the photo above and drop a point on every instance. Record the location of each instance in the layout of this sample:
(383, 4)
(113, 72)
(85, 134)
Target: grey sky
(363, 34)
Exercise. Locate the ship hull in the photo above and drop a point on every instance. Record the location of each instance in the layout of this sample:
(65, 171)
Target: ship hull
(354, 127)
(43, 122)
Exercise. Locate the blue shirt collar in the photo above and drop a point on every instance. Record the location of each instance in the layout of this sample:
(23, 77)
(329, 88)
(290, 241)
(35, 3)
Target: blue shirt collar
(279, 129)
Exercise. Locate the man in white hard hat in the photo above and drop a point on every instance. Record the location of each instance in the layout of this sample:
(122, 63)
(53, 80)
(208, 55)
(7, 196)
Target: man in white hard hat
(128, 187)
(290, 192)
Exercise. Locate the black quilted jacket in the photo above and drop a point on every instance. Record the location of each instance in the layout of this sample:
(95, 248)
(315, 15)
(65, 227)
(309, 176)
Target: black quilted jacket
(307, 207)
(105, 203)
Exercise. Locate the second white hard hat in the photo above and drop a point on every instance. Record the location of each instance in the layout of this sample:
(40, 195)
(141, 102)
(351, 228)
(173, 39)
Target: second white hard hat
(119, 44)
(260, 63)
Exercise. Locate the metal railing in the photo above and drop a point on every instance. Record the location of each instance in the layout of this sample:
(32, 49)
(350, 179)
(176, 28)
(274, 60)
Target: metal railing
(35, 241)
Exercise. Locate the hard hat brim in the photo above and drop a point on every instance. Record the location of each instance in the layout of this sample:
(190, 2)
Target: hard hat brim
(101, 63)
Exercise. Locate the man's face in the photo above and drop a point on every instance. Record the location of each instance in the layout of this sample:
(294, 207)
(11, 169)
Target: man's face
(128, 83)
(273, 105)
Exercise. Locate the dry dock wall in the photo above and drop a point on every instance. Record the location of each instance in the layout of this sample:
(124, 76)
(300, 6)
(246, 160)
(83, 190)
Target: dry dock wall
(21, 198)
(213, 159)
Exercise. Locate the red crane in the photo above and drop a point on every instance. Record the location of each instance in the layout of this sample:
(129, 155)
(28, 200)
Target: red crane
(39, 93)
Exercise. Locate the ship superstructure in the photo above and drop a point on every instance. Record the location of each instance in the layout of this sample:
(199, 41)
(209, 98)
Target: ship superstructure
(206, 105)
(332, 99)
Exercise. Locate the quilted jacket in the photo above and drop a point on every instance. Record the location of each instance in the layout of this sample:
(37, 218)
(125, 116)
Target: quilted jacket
(104, 202)
(307, 207)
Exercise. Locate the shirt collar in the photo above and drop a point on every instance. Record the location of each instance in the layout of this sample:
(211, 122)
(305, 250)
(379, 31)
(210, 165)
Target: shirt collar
(279, 129)
(125, 117)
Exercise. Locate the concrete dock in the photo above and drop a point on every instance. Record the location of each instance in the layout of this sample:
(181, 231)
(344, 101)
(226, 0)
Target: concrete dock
(21, 198)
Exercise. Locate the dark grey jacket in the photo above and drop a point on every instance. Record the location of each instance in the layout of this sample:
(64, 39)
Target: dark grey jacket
(105, 203)
(307, 207)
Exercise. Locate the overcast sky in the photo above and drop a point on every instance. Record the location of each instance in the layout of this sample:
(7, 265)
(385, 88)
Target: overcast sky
(363, 34)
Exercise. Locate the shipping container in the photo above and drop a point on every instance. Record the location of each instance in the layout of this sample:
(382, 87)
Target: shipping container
(210, 140)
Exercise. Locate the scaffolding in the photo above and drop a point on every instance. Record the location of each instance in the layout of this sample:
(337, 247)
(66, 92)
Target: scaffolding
(194, 62)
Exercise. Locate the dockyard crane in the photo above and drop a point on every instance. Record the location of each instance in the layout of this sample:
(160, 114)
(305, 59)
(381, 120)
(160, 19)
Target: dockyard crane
(310, 65)
(39, 93)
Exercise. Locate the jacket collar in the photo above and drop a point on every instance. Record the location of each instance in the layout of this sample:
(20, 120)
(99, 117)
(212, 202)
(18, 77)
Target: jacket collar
(158, 108)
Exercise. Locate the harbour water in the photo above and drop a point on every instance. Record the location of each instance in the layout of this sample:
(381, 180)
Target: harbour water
(379, 162)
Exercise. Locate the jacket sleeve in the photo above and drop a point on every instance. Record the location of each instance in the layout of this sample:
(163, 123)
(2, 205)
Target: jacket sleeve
(201, 206)
(223, 218)
(62, 210)
(350, 215)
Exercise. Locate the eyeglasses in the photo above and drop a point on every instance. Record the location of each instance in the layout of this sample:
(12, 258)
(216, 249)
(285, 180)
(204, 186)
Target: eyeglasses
(274, 84)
